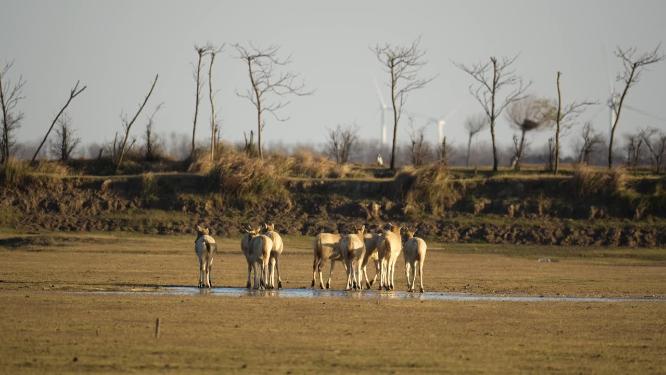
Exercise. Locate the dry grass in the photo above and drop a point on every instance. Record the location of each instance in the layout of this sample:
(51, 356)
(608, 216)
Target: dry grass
(306, 163)
(248, 181)
(17, 172)
(48, 328)
(432, 190)
(588, 182)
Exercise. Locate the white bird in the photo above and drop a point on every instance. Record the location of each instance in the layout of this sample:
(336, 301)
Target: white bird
(380, 161)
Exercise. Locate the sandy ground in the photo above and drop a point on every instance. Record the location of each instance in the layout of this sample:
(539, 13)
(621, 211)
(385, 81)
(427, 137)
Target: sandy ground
(50, 323)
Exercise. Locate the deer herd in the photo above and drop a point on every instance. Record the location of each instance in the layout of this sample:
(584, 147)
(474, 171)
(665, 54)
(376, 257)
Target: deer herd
(263, 246)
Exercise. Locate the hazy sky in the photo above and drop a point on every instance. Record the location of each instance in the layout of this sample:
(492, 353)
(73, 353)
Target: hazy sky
(116, 47)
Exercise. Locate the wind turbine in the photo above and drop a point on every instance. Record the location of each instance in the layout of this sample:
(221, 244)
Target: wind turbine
(438, 121)
(383, 108)
(440, 125)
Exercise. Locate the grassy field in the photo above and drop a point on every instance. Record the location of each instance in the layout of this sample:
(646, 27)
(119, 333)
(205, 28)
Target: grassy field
(49, 323)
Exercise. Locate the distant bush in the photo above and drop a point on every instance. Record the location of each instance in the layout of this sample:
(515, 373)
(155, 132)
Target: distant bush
(54, 168)
(432, 188)
(20, 172)
(149, 189)
(14, 172)
(306, 163)
(248, 181)
(587, 183)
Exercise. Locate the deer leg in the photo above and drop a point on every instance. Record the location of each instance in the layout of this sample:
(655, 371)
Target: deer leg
(315, 266)
(421, 275)
(249, 275)
(277, 266)
(201, 273)
(330, 274)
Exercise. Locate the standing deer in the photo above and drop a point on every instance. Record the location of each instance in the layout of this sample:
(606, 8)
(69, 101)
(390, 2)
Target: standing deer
(204, 247)
(257, 250)
(388, 250)
(278, 247)
(352, 247)
(414, 252)
(372, 241)
(326, 248)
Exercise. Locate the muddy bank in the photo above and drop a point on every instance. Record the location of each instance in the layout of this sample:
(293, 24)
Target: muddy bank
(524, 212)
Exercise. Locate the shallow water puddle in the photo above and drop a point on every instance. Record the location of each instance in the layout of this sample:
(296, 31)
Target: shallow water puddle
(366, 294)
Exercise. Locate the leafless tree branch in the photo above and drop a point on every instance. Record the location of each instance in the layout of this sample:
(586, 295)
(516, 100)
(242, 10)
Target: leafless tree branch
(127, 125)
(268, 84)
(74, 92)
(10, 95)
(403, 64)
(491, 79)
(634, 65)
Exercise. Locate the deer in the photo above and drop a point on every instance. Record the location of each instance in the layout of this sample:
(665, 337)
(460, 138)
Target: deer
(278, 247)
(388, 251)
(326, 248)
(414, 252)
(257, 250)
(205, 247)
(352, 248)
(372, 241)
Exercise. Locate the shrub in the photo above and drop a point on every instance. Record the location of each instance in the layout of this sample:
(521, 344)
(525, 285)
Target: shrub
(307, 163)
(432, 188)
(54, 168)
(243, 180)
(587, 183)
(149, 189)
(14, 172)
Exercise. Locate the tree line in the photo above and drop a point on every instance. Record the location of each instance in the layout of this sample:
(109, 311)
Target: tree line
(495, 85)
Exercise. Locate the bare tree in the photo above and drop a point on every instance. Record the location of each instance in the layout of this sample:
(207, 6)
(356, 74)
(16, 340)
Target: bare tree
(65, 139)
(201, 52)
(403, 64)
(526, 115)
(419, 147)
(492, 78)
(265, 80)
(444, 151)
(248, 146)
(341, 142)
(590, 141)
(473, 125)
(655, 141)
(634, 149)
(151, 145)
(127, 126)
(74, 92)
(10, 95)
(564, 117)
(214, 126)
(634, 65)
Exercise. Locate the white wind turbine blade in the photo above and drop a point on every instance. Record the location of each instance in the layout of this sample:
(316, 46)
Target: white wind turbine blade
(441, 122)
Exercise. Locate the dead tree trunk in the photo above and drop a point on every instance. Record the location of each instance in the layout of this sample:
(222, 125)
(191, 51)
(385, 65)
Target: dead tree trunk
(633, 67)
(558, 120)
(201, 51)
(72, 94)
(127, 125)
(214, 128)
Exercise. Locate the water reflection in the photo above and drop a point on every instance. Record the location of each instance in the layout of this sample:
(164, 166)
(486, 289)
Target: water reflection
(369, 294)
